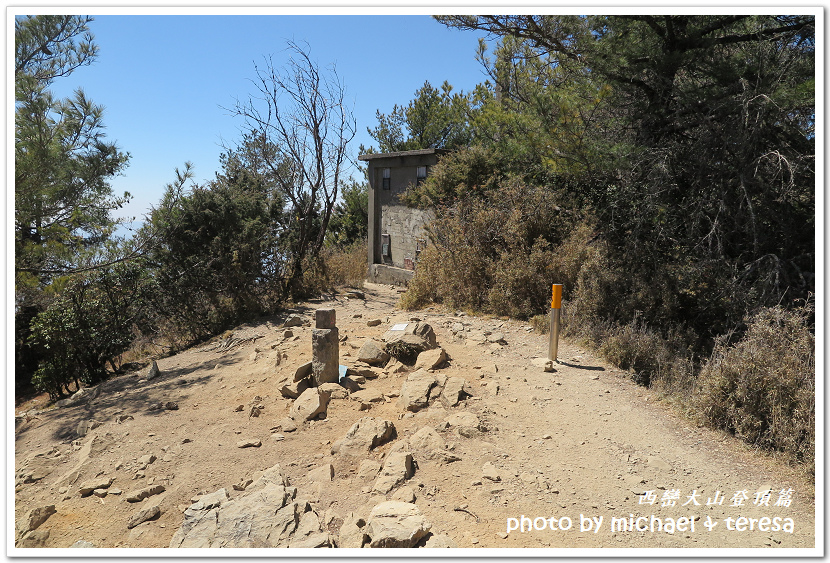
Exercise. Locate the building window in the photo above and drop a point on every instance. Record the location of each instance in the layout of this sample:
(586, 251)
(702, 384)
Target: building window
(421, 175)
(387, 178)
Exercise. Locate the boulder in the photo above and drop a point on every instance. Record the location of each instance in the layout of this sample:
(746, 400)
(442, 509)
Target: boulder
(373, 354)
(489, 471)
(364, 371)
(415, 392)
(396, 524)
(322, 474)
(543, 363)
(368, 396)
(319, 539)
(146, 460)
(148, 513)
(153, 372)
(442, 456)
(85, 426)
(463, 420)
(352, 532)
(397, 468)
(454, 391)
(351, 383)
(404, 494)
(440, 541)
(310, 405)
(293, 320)
(293, 389)
(335, 390)
(373, 322)
(249, 443)
(35, 538)
(83, 544)
(267, 514)
(303, 372)
(368, 469)
(34, 518)
(365, 435)
(496, 338)
(431, 359)
(427, 439)
(288, 424)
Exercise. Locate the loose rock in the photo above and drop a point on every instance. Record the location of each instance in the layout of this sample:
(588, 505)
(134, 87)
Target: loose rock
(365, 435)
(489, 471)
(310, 404)
(143, 516)
(373, 354)
(397, 468)
(322, 474)
(34, 518)
(88, 487)
(431, 359)
(415, 393)
(396, 524)
(249, 443)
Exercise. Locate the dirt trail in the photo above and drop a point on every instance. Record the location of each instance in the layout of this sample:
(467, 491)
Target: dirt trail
(582, 443)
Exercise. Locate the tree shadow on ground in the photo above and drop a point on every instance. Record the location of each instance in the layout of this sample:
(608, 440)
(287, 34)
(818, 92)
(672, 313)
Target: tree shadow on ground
(127, 395)
(578, 366)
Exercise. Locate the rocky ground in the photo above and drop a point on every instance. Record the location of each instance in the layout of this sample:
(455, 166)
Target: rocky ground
(475, 446)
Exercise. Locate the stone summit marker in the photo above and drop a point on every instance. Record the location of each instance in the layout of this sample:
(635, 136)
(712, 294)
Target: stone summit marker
(325, 348)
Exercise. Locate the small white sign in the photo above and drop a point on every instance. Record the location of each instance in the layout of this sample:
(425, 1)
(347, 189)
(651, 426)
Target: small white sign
(401, 326)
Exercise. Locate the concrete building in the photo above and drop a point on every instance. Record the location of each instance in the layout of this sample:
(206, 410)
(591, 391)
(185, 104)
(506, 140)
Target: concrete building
(396, 232)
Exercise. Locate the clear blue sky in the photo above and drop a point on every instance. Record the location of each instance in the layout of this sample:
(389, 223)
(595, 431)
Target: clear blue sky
(163, 78)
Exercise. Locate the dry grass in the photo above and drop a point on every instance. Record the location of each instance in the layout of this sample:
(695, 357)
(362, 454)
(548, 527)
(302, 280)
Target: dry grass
(762, 389)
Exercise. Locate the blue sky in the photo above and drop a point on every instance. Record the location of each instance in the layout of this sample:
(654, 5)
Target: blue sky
(164, 78)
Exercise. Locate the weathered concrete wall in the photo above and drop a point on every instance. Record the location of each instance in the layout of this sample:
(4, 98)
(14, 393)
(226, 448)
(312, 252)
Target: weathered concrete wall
(405, 227)
(378, 273)
(388, 217)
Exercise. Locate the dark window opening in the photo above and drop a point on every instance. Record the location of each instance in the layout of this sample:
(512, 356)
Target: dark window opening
(421, 174)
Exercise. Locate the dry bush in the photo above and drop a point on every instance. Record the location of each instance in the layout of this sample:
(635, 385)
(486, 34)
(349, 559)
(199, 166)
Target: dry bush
(346, 265)
(336, 266)
(501, 255)
(762, 389)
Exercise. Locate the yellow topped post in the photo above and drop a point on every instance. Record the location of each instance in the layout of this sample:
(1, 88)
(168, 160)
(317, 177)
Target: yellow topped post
(556, 297)
(555, 308)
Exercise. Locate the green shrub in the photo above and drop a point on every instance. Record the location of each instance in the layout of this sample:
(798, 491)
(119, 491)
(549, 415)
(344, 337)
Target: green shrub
(762, 389)
(93, 321)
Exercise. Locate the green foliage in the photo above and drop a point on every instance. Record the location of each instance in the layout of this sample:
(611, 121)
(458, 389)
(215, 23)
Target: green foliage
(350, 217)
(48, 47)
(688, 141)
(762, 388)
(63, 199)
(468, 171)
(433, 119)
(91, 322)
(216, 260)
(63, 165)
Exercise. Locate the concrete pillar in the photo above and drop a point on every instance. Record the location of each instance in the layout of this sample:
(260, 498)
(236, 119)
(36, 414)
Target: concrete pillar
(325, 348)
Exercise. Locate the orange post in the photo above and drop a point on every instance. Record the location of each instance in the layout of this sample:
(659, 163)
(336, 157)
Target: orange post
(556, 297)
